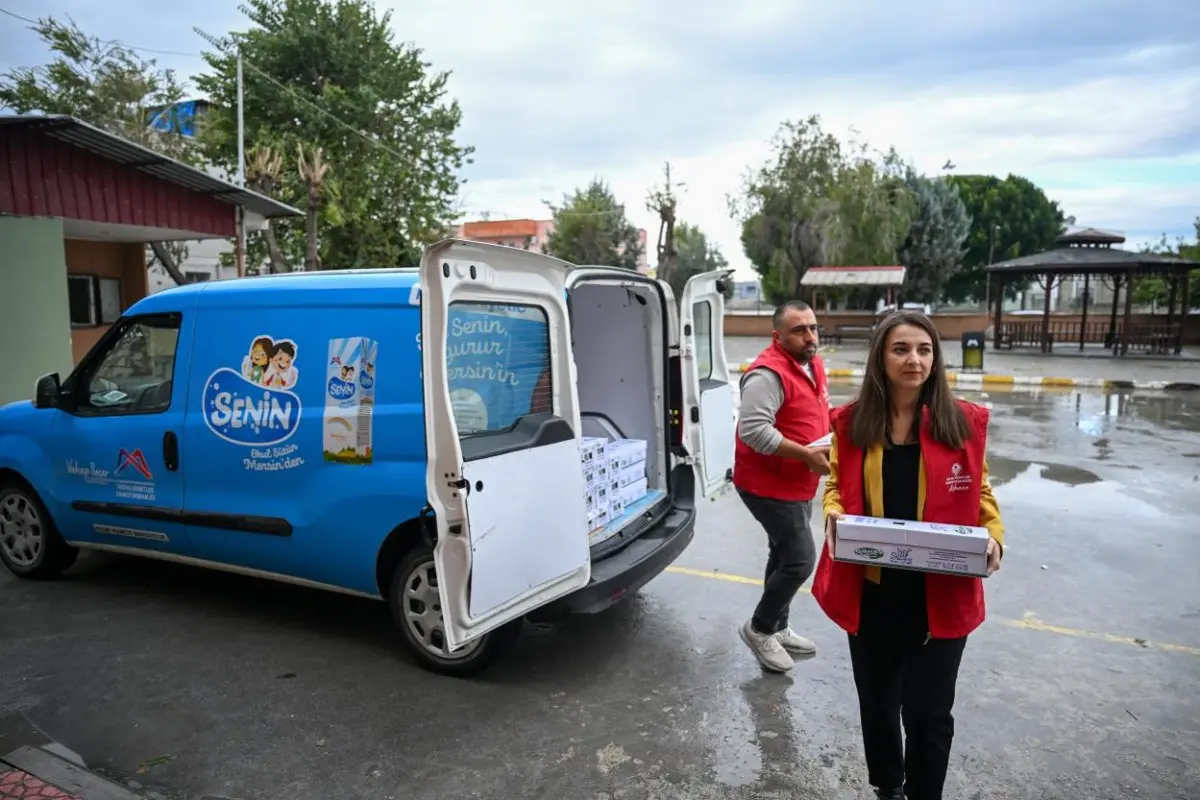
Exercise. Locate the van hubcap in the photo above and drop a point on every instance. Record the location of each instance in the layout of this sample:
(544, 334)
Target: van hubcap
(423, 613)
(21, 534)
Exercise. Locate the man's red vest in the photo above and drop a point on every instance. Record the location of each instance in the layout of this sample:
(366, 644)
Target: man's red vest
(803, 418)
(953, 482)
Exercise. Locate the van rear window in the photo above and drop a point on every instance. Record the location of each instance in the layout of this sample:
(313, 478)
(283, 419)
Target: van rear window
(499, 365)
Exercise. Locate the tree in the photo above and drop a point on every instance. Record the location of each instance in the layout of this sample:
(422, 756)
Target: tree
(590, 228)
(1016, 212)
(107, 85)
(328, 74)
(820, 201)
(934, 247)
(663, 202)
(696, 255)
(1156, 291)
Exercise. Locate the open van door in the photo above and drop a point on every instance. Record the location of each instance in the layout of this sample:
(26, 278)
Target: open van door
(504, 477)
(708, 394)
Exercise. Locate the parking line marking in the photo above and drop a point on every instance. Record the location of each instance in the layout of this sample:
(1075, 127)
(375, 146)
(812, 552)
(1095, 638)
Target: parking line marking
(1030, 621)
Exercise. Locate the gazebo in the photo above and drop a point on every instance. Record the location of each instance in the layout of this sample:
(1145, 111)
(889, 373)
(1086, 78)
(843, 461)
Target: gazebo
(1090, 253)
(880, 280)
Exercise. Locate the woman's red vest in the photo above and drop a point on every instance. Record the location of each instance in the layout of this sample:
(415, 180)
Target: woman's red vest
(953, 482)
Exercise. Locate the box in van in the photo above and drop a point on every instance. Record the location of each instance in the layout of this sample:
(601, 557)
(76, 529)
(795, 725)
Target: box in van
(417, 436)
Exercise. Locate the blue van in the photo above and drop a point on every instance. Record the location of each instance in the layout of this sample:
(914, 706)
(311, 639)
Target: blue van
(412, 436)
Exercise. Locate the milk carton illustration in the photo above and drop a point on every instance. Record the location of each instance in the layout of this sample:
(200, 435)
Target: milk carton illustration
(349, 400)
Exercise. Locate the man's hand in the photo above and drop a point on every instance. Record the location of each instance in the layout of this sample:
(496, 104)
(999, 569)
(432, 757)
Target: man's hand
(831, 529)
(816, 459)
(994, 554)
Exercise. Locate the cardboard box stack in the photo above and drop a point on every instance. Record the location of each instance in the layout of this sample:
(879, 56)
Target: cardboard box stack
(614, 477)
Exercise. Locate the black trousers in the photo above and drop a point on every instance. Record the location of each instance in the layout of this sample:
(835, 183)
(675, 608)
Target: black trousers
(791, 557)
(902, 677)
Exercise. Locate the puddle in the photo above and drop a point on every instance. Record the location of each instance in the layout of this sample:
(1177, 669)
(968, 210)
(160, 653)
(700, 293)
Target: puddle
(1003, 470)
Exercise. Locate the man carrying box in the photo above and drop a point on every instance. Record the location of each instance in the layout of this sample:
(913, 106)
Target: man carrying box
(778, 463)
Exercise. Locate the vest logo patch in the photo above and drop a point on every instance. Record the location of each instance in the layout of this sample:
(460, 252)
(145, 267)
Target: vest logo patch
(959, 480)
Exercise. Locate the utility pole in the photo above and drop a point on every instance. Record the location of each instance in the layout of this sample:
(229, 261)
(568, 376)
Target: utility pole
(663, 202)
(241, 171)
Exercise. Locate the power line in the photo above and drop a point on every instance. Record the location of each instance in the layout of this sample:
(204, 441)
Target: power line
(8, 13)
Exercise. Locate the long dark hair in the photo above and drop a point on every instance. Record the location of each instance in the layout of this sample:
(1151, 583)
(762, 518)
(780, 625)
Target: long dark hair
(871, 418)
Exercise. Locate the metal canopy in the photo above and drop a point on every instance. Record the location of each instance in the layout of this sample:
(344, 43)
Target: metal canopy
(78, 133)
(852, 277)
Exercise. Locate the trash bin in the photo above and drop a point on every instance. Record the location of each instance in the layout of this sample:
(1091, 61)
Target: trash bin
(972, 351)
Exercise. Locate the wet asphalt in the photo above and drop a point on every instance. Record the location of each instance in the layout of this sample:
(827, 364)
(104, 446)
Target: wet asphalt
(1083, 683)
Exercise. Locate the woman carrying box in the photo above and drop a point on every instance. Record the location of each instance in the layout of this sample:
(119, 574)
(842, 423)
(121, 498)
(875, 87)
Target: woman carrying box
(907, 449)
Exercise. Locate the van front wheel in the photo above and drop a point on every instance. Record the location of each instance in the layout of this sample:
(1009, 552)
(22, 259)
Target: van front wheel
(30, 545)
(417, 611)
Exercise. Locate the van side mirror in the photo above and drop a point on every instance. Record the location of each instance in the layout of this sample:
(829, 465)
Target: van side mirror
(47, 392)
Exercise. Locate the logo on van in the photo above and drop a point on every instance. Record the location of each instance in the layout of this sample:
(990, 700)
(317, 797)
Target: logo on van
(242, 413)
(255, 407)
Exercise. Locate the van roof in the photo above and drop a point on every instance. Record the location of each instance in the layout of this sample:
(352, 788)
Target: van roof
(396, 279)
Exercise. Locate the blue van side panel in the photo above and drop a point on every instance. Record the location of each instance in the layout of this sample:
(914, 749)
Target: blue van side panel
(277, 427)
(22, 428)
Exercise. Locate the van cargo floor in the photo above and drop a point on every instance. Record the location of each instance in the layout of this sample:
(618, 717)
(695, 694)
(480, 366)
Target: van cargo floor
(632, 512)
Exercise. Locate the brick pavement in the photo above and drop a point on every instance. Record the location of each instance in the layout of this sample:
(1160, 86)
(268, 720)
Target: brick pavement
(18, 785)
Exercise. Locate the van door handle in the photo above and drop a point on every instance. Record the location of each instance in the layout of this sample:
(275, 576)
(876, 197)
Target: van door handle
(171, 450)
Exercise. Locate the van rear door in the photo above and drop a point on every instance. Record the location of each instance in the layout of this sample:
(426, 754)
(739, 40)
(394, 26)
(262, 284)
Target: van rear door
(504, 477)
(708, 397)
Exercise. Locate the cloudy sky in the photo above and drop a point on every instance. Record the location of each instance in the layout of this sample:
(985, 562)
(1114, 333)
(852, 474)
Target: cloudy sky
(1098, 102)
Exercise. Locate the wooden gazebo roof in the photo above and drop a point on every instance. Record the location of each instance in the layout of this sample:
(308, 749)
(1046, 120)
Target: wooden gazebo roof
(1090, 251)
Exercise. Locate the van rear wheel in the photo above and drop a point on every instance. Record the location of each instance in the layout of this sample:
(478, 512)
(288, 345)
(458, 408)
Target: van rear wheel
(417, 611)
(30, 544)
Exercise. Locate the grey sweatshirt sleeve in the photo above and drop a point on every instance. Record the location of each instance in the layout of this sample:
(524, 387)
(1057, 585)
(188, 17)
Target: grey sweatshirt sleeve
(762, 395)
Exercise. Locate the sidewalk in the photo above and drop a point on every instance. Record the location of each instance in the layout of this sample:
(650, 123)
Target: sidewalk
(34, 766)
(1067, 370)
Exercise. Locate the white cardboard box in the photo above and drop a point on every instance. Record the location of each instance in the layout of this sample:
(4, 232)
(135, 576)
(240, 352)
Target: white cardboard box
(624, 476)
(592, 448)
(626, 452)
(596, 473)
(626, 496)
(921, 546)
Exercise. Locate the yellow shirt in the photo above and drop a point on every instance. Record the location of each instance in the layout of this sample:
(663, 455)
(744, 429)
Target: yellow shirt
(989, 510)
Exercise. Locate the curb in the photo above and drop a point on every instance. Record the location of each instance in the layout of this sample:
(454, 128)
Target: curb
(970, 379)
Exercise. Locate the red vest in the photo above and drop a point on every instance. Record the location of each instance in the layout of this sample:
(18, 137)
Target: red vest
(803, 418)
(953, 482)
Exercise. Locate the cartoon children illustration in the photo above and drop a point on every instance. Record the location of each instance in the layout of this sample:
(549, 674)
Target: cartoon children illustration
(347, 372)
(282, 375)
(256, 364)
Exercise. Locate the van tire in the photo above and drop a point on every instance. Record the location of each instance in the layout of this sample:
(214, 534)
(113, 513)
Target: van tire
(30, 544)
(414, 575)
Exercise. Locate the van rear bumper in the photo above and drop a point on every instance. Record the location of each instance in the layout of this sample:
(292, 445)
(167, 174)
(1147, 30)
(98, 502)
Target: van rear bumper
(633, 566)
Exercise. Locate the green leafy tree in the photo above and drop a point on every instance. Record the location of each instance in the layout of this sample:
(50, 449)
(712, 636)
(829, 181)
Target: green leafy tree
(328, 74)
(695, 255)
(1022, 219)
(819, 201)
(590, 227)
(934, 248)
(1157, 291)
(106, 85)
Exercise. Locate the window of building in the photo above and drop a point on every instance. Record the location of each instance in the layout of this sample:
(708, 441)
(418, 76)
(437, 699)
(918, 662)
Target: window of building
(81, 298)
(196, 277)
(93, 300)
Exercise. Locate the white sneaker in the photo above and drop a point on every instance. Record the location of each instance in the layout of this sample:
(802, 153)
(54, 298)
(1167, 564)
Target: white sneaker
(796, 644)
(766, 649)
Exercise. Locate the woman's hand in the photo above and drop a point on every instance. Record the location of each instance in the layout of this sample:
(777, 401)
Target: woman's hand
(831, 519)
(994, 554)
